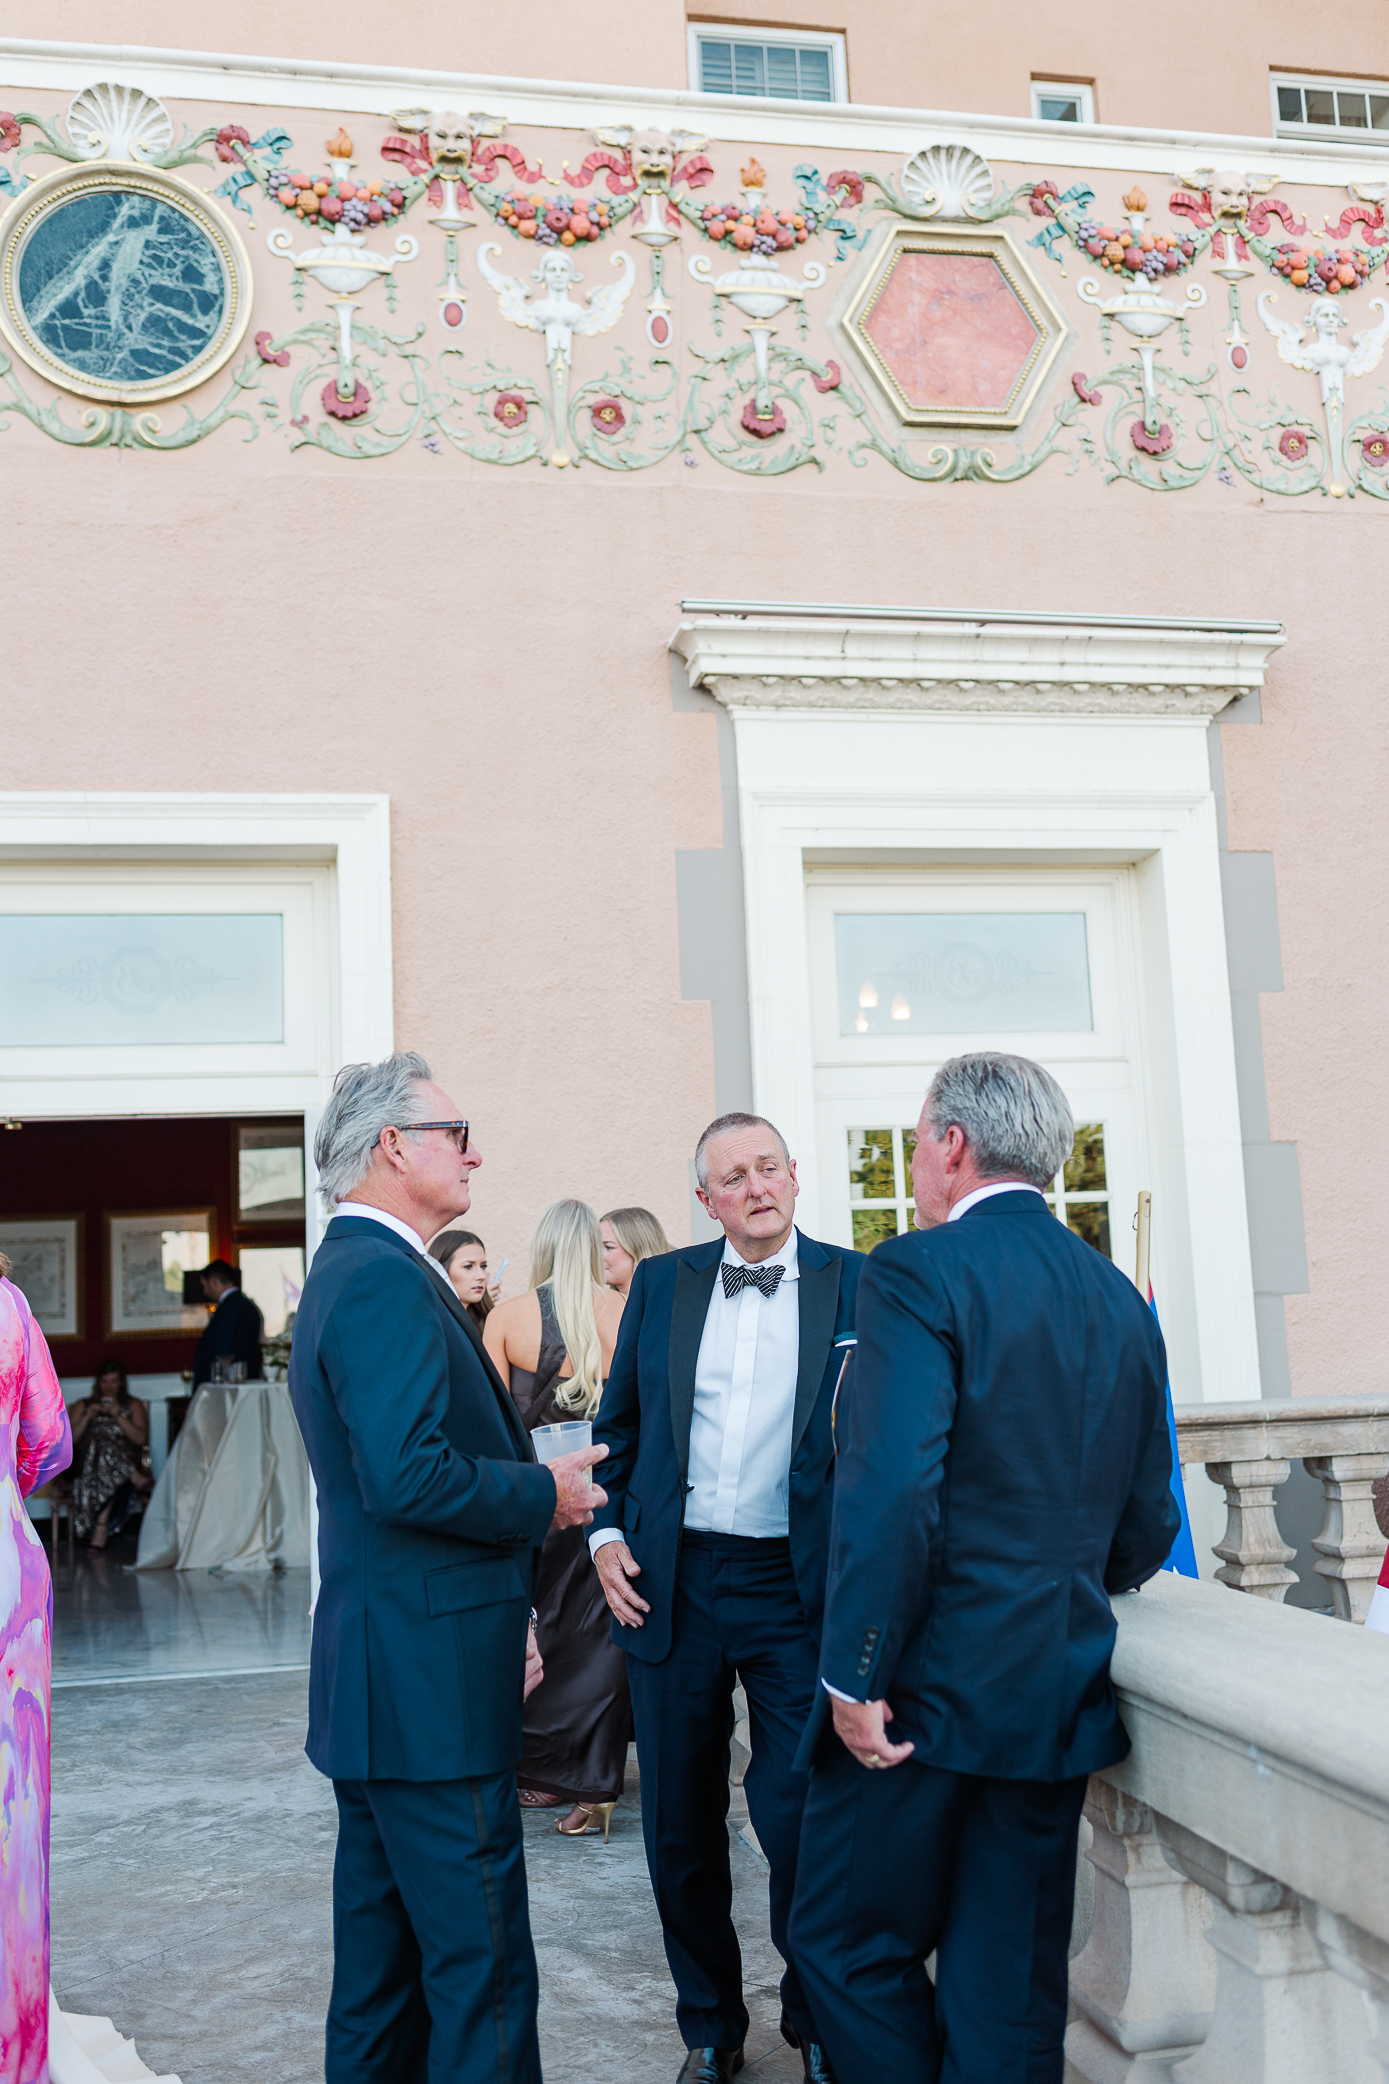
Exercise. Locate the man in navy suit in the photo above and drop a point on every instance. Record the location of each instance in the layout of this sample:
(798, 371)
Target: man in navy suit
(235, 1328)
(712, 1549)
(432, 1510)
(1003, 1468)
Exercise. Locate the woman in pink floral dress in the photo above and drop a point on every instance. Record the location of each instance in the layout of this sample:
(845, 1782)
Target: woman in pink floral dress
(35, 1444)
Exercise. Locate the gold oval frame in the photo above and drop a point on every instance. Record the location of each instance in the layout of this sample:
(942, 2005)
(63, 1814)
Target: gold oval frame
(124, 177)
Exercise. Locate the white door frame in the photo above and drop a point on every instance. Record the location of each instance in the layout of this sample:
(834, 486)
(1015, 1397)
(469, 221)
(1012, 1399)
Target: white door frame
(164, 831)
(917, 744)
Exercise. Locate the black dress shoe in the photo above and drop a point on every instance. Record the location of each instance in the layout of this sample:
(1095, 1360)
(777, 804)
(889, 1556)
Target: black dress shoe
(710, 2066)
(816, 2062)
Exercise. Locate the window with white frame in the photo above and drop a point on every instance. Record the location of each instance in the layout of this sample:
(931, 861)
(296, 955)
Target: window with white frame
(1356, 111)
(1063, 101)
(776, 64)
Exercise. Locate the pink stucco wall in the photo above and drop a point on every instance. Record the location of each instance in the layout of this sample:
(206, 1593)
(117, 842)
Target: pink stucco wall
(488, 645)
(1203, 68)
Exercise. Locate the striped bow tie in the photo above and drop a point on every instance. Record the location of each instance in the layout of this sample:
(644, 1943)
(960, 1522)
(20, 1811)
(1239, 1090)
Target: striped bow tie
(737, 1278)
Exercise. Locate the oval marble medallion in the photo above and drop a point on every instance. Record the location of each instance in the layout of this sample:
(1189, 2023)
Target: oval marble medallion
(121, 284)
(122, 287)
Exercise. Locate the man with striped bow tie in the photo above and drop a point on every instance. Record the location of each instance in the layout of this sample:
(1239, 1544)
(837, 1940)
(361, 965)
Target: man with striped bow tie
(712, 1549)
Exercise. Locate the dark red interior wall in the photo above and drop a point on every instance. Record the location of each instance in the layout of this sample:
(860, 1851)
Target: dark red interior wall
(96, 1167)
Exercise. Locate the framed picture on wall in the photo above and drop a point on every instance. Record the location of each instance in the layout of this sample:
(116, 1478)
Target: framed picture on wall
(269, 1173)
(147, 1256)
(45, 1253)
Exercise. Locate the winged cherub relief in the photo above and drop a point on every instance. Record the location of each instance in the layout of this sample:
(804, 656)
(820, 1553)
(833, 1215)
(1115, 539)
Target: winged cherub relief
(556, 314)
(1331, 358)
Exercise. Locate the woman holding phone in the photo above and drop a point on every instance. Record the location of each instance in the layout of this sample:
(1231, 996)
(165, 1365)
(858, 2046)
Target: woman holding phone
(553, 1347)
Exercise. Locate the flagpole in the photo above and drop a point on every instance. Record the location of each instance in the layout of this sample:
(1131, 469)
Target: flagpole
(1183, 1556)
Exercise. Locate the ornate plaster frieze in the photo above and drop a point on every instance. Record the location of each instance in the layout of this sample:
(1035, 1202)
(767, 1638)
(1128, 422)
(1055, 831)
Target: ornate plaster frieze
(1019, 669)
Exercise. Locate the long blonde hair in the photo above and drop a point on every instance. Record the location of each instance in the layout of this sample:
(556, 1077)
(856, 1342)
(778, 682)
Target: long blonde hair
(567, 1254)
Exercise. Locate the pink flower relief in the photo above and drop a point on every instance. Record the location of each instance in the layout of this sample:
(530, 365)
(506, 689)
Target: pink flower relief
(1156, 444)
(608, 416)
(1293, 445)
(1374, 450)
(763, 429)
(230, 135)
(511, 409)
(346, 408)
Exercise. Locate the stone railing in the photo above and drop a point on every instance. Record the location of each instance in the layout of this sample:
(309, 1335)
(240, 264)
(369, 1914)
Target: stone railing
(1240, 1929)
(1249, 1450)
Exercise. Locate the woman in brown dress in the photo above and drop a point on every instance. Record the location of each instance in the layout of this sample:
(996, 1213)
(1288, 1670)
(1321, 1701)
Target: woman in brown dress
(553, 1347)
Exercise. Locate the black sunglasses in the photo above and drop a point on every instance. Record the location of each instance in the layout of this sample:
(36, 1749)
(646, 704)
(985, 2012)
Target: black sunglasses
(458, 1130)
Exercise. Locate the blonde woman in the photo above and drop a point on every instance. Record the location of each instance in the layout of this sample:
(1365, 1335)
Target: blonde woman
(553, 1347)
(629, 1235)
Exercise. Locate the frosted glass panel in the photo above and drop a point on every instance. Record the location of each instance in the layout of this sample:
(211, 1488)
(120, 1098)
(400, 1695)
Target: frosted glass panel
(948, 973)
(121, 978)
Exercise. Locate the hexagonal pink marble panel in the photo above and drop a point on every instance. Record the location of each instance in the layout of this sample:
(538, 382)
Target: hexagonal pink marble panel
(951, 329)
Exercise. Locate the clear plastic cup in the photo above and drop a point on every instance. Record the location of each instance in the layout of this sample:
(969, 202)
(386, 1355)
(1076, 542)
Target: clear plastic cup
(568, 1438)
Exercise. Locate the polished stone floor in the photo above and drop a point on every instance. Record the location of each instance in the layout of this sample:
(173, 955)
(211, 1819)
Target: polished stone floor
(193, 1847)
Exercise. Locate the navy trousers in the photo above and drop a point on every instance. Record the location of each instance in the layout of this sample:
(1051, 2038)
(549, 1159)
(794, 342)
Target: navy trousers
(434, 1978)
(899, 1864)
(737, 1615)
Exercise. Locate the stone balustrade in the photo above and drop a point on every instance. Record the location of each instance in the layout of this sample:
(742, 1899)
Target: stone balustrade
(1249, 1450)
(1240, 1930)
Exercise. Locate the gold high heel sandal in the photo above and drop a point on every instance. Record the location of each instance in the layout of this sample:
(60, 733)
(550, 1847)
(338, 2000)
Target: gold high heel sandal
(588, 1811)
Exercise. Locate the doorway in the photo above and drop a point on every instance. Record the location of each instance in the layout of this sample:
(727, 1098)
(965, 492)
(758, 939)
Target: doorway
(103, 1219)
(912, 966)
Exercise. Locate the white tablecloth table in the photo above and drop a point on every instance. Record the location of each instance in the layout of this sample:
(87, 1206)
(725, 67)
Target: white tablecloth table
(234, 1493)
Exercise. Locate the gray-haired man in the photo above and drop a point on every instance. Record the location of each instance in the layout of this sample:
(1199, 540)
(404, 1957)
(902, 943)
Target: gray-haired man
(432, 1510)
(712, 1554)
(1003, 1467)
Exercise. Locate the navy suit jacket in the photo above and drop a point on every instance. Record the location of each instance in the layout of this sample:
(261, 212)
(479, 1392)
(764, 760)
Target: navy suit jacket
(1003, 1467)
(431, 1512)
(648, 1404)
(233, 1332)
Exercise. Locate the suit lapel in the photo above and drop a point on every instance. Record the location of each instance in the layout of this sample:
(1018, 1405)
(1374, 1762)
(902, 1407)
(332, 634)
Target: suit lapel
(499, 1388)
(693, 1287)
(446, 1295)
(819, 1302)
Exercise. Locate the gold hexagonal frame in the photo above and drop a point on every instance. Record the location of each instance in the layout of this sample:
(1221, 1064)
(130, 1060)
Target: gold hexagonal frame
(36, 206)
(998, 265)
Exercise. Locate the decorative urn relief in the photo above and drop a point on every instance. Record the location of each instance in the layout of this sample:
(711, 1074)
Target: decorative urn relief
(956, 327)
(344, 265)
(1145, 317)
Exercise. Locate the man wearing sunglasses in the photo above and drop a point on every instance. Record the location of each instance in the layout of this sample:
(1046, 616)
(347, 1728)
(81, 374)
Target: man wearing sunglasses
(432, 1510)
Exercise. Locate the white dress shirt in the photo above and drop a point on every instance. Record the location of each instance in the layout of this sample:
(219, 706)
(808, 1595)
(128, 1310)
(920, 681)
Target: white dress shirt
(995, 1186)
(961, 1208)
(411, 1237)
(739, 1467)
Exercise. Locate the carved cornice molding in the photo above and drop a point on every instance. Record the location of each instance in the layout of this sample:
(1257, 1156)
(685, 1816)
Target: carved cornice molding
(997, 669)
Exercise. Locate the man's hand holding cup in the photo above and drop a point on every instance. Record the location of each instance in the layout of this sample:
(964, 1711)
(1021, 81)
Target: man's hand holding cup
(576, 1494)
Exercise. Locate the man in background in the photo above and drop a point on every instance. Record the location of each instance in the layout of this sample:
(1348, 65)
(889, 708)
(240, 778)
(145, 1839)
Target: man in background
(234, 1329)
(1003, 1468)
